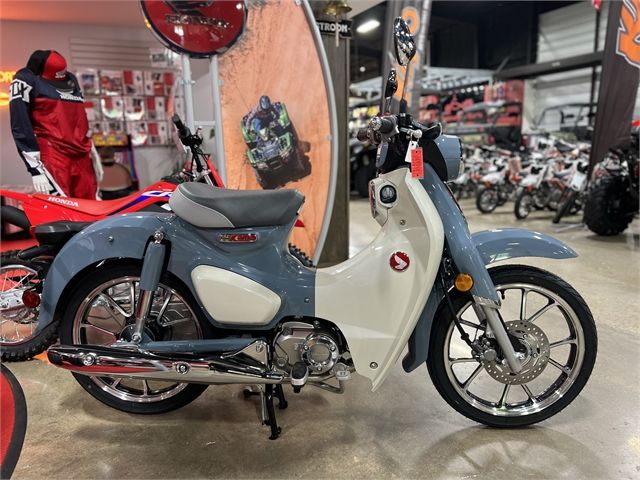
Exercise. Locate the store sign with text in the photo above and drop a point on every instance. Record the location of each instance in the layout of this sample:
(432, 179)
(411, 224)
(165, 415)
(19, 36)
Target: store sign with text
(198, 29)
(343, 28)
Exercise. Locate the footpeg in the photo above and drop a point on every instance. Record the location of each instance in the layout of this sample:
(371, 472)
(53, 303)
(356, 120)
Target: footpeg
(299, 375)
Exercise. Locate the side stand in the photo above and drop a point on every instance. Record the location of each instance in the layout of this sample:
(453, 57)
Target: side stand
(268, 411)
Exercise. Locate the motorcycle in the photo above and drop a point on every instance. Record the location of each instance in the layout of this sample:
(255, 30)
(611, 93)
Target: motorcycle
(572, 198)
(506, 346)
(498, 187)
(541, 188)
(22, 272)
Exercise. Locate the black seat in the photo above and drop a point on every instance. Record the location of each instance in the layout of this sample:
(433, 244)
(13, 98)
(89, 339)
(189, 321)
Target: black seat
(58, 233)
(213, 207)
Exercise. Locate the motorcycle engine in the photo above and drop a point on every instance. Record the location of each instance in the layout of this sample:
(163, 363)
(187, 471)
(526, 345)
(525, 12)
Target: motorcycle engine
(306, 342)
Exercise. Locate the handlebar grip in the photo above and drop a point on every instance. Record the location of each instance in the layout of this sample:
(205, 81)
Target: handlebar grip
(363, 134)
(182, 129)
(386, 125)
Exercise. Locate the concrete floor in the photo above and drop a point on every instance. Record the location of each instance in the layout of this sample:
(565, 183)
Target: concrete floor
(403, 430)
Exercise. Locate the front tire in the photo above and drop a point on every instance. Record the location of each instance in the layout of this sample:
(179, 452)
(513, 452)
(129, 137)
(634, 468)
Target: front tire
(564, 208)
(565, 375)
(487, 199)
(92, 318)
(523, 204)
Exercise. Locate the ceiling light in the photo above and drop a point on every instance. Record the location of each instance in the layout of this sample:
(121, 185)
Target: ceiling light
(368, 26)
(363, 69)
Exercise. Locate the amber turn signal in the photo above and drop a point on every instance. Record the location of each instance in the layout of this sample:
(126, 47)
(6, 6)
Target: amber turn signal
(463, 282)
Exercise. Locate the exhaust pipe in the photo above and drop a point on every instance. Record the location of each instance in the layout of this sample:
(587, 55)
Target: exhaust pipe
(246, 366)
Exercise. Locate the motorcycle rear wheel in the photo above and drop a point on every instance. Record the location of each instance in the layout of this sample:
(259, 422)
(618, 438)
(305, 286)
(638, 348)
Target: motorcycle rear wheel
(19, 338)
(100, 312)
(551, 320)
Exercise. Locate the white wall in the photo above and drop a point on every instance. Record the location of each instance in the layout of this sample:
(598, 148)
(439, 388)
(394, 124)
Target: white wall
(19, 39)
(564, 33)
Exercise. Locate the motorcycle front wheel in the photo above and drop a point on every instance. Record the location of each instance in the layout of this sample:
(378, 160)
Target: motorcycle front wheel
(556, 336)
(101, 311)
(565, 205)
(487, 200)
(524, 203)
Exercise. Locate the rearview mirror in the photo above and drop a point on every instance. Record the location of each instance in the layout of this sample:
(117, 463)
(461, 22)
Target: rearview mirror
(403, 41)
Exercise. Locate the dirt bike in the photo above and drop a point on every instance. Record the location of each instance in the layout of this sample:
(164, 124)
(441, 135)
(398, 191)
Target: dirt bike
(497, 188)
(507, 346)
(22, 272)
(572, 198)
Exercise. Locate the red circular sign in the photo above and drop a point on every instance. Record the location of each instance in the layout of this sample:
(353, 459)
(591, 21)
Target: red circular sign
(399, 261)
(197, 28)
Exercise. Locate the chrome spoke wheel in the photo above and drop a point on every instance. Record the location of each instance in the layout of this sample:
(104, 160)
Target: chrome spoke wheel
(18, 323)
(551, 351)
(106, 316)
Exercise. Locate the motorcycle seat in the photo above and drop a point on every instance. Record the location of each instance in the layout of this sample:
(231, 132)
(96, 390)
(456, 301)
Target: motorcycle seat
(211, 207)
(58, 233)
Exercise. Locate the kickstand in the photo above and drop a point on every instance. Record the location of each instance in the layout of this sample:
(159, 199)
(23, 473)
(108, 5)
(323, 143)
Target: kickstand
(267, 401)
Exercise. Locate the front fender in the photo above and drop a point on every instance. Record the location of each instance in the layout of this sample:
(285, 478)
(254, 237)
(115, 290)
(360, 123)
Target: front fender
(506, 243)
(123, 236)
(493, 246)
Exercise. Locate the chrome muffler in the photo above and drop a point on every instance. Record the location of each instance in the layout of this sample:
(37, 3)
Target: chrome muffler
(250, 365)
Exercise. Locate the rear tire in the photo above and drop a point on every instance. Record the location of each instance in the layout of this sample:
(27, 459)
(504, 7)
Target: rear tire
(603, 212)
(99, 388)
(33, 342)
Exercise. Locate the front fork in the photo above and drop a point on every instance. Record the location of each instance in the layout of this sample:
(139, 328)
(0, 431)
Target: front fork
(499, 332)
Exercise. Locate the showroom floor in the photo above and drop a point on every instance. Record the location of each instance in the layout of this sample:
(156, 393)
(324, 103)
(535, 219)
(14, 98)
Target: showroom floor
(402, 430)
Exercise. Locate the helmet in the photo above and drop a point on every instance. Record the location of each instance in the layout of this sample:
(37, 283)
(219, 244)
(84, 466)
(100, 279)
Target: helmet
(265, 103)
(51, 66)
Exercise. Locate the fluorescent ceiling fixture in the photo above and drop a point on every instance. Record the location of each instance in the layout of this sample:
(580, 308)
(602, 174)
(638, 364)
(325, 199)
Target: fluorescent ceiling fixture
(368, 26)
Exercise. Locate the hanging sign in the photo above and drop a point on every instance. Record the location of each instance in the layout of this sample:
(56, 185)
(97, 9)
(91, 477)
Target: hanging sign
(197, 28)
(343, 28)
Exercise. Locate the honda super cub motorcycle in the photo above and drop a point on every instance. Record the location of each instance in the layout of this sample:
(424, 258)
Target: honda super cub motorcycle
(155, 307)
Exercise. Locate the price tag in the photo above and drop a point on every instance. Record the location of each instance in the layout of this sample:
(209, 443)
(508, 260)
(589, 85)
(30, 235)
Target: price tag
(417, 164)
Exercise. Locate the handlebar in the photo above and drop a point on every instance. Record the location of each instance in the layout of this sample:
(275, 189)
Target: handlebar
(183, 131)
(384, 125)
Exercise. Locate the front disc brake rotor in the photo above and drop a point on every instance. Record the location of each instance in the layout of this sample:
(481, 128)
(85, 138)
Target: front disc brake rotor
(535, 359)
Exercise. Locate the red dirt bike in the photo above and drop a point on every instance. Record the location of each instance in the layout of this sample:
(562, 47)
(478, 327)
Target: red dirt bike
(52, 221)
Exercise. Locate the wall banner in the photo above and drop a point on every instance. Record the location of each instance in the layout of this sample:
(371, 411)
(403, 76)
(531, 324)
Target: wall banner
(278, 113)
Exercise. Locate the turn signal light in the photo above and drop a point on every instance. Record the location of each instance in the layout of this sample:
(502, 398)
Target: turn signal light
(463, 282)
(30, 299)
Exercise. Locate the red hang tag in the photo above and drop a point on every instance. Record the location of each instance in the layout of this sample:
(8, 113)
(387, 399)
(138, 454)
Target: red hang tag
(417, 165)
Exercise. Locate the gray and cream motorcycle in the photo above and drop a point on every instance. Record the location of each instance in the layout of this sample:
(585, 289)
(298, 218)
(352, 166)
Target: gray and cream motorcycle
(154, 307)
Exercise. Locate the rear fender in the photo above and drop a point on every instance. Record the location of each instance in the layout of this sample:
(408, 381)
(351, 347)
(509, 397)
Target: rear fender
(124, 237)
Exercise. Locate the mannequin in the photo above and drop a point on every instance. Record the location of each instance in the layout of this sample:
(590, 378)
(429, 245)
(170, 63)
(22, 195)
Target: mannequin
(50, 128)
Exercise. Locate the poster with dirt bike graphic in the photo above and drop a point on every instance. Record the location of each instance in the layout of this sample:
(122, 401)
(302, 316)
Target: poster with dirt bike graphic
(277, 112)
